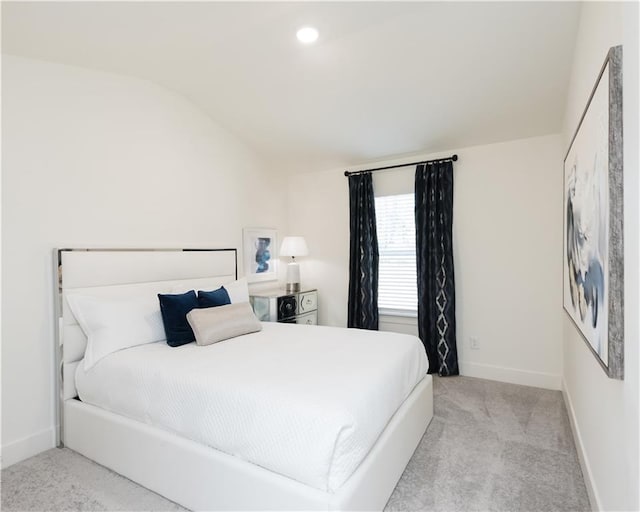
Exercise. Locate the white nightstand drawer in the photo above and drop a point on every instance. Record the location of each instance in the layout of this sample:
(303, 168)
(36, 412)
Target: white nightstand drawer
(308, 318)
(307, 302)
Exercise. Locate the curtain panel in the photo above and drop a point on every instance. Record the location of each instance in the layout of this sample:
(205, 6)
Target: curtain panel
(434, 265)
(363, 254)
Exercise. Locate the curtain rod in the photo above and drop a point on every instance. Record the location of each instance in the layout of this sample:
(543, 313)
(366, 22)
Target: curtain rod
(452, 158)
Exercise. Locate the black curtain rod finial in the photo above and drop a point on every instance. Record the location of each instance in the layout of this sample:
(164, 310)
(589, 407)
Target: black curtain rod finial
(453, 158)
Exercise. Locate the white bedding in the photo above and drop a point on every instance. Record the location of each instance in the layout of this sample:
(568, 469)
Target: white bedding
(307, 402)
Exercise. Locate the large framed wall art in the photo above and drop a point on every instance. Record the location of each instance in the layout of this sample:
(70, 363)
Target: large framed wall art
(593, 266)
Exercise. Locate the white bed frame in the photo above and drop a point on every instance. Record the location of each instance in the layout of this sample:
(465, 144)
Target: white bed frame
(191, 474)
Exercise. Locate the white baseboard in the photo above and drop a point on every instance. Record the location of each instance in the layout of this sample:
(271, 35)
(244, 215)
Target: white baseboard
(510, 375)
(27, 447)
(592, 492)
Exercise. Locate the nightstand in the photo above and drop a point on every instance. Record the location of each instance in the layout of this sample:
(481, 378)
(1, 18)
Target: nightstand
(288, 307)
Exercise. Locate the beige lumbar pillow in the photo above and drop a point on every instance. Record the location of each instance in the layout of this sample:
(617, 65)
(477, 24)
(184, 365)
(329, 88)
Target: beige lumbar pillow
(211, 325)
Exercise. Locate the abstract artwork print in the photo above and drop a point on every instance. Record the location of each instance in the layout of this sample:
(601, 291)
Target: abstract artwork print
(593, 264)
(259, 247)
(587, 230)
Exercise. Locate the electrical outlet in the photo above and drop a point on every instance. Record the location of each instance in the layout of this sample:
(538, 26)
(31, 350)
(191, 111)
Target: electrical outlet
(474, 343)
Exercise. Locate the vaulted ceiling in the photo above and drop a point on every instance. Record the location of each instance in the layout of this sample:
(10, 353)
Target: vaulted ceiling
(383, 79)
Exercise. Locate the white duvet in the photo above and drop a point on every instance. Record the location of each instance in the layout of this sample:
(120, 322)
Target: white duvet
(307, 402)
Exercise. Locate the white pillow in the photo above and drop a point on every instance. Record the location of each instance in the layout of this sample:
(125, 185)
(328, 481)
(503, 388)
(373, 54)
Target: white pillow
(238, 290)
(211, 325)
(115, 324)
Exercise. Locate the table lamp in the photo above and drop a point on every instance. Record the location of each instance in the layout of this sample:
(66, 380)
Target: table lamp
(293, 246)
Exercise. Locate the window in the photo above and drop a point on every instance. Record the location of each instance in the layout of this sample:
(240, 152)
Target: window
(395, 222)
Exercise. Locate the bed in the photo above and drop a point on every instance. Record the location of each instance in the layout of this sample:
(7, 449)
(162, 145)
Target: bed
(292, 417)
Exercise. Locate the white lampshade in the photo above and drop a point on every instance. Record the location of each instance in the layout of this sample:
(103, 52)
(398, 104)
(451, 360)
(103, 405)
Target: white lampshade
(294, 246)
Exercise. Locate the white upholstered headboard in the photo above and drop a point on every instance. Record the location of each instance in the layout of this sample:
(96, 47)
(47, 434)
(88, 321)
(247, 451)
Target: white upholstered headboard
(116, 272)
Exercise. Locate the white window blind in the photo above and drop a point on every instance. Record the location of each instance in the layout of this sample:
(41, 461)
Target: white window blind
(395, 222)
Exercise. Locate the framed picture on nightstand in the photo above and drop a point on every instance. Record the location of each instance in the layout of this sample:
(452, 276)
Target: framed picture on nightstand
(260, 247)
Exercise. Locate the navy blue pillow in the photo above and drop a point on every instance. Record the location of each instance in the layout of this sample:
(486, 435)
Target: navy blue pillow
(219, 297)
(174, 309)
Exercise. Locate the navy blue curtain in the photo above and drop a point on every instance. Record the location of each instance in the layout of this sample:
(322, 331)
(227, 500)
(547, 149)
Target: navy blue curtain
(434, 265)
(363, 254)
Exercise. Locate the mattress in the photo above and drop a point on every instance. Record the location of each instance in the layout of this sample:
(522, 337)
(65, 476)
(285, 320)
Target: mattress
(307, 402)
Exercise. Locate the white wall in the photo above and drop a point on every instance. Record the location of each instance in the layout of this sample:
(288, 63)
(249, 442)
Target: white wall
(507, 236)
(604, 412)
(96, 159)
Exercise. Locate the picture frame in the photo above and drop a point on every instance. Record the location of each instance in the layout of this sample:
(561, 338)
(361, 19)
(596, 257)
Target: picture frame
(260, 251)
(593, 248)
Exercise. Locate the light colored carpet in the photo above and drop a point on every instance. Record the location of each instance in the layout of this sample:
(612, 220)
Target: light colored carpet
(493, 446)
(490, 446)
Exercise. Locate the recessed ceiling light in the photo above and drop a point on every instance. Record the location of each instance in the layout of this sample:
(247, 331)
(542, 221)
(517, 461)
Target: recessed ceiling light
(307, 35)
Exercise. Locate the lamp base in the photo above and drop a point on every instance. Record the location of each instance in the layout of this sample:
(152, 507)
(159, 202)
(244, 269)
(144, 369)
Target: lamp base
(293, 277)
(293, 287)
